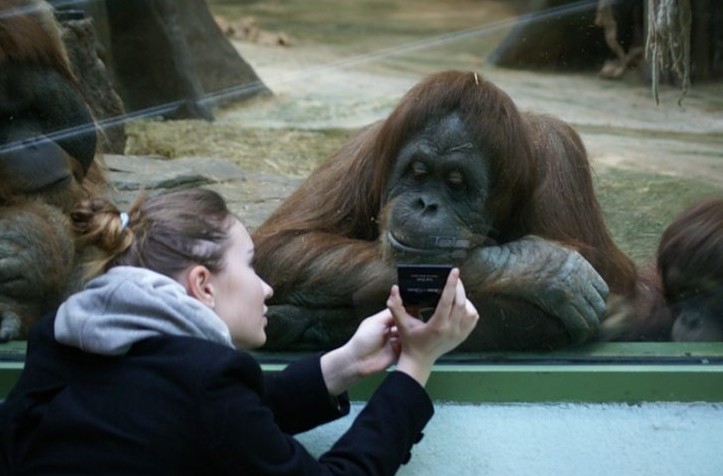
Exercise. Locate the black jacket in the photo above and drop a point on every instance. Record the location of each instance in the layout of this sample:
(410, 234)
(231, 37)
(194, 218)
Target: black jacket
(182, 405)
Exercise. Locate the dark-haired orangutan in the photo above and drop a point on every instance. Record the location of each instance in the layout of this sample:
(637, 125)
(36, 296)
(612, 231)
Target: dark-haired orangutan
(456, 175)
(690, 266)
(47, 151)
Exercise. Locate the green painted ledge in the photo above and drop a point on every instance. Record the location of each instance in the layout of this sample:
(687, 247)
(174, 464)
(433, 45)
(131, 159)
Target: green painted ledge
(596, 373)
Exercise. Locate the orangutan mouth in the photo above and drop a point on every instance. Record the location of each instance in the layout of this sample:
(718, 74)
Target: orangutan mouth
(434, 245)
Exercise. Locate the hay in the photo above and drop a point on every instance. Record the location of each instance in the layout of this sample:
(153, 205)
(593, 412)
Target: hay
(288, 152)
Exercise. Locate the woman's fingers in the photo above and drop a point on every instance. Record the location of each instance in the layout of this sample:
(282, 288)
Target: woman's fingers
(395, 305)
(447, 298)
(460, 295)
(450, 288)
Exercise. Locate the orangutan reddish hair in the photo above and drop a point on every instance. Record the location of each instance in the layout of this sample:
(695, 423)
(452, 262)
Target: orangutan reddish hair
(455, 174)
(48, 162)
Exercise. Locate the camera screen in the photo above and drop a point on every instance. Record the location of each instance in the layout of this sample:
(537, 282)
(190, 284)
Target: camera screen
(420, 285)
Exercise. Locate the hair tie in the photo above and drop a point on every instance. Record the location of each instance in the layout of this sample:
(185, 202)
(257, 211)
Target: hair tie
(124, 218)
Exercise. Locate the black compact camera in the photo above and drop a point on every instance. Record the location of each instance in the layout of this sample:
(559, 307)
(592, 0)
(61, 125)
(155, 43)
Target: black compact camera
(420, 285)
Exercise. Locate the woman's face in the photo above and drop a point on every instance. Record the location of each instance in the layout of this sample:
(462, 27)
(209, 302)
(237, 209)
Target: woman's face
(240, 293)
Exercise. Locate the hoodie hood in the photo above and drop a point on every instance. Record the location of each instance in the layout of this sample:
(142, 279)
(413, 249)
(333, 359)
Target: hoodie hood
(128, 304)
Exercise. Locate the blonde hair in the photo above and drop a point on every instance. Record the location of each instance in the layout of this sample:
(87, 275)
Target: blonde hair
(165, 233)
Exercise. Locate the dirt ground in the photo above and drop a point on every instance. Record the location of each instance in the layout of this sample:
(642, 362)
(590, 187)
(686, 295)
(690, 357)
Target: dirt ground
(620, 122)
(350, 62)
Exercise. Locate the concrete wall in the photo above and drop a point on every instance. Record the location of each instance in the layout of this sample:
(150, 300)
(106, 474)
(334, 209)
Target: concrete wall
(666, 439)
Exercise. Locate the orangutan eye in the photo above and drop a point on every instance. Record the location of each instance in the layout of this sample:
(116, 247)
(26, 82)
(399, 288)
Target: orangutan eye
(455, 179)
(419, 170)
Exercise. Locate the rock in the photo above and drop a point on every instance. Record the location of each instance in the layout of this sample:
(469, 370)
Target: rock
(252, 195)
(80, 41)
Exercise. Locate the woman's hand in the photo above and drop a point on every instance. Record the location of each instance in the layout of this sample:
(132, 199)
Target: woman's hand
(378, 341)
(422, 343)
(371, 349)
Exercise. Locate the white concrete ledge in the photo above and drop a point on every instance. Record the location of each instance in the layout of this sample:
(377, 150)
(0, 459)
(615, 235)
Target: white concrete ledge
(652, 439)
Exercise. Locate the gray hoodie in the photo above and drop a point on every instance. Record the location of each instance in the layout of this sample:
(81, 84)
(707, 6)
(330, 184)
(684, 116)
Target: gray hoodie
(129, 304)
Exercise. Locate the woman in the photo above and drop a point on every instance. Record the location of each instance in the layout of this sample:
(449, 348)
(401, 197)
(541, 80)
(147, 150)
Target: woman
(146, 370)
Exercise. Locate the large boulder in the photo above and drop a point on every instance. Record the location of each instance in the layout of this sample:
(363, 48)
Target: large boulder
(168, 58)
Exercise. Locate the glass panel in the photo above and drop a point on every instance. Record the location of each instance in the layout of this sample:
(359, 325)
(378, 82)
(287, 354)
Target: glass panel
(249, 97)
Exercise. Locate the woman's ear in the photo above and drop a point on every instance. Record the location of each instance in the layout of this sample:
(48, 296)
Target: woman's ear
(198, 284)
